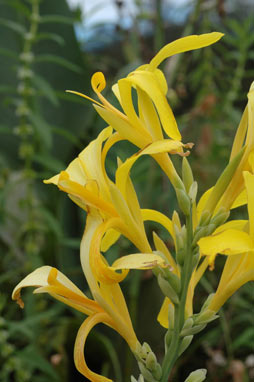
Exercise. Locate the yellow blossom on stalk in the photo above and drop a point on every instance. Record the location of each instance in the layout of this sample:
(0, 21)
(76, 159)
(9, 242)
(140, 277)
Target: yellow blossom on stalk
(154, 113)
(236, 240)
(108, 307)
(86, 182)
(235, 194)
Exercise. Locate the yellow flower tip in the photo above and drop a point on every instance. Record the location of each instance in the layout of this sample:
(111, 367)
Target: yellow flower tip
(211, 261)
(52, 276)
(98, 82)
(20, 302)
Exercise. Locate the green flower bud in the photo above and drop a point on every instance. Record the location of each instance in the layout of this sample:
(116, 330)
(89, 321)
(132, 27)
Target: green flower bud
(187, 174)
(180, 257)
(193, 192)
(206, 316)
(183, 201)
(205, 218)
(171, 316)
(146, 373)
(173, 280)
(220, 217)
(168, 339)
(207, 302)
(194, 330)
(188, 323)
(151, 361)
(157, 373)
(168, 290)
(197, 376)
(186, 341)
(223, 181)
(200, 232)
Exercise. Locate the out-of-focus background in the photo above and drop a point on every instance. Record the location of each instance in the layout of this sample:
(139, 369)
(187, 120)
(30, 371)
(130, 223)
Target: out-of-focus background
(48, 46)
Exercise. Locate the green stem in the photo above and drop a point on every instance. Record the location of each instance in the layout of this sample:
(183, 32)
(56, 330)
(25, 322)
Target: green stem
(172, 352)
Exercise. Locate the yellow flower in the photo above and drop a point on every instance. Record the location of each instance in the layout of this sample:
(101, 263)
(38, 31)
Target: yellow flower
(235, 194)
(154, 113)
(108, 306)
(86, 182)
(231, 239)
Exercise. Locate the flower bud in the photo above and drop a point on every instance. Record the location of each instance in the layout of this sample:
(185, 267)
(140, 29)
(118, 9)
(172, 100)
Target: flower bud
(187, 174)
(168, 290)
(197, 376)
(186, 341)
(183, 201)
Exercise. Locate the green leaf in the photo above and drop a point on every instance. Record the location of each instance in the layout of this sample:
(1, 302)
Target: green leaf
(69, 136)
(58, 60)
(56, 19)
(19, 28)
(45, 88)
(9, 53)
(49, 162)
(50, 36)
(42, 128)
(31, 356)
(16, 4)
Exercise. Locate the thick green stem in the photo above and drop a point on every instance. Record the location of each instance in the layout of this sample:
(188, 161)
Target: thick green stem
(172, 352)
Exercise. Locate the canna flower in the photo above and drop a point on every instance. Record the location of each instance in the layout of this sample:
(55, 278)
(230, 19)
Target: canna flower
(234, 239)
(108, 306)
(154, 117)
(235, 194)
(86, 182)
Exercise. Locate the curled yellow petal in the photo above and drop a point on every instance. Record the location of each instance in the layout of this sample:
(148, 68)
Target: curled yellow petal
(184, 44)
(229, 242)
(138, 261)
(79, 358)
(49, 280)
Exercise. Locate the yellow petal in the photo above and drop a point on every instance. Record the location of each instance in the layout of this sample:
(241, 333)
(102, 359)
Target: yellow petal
(79, 358)
(184, 44)
(147, 81)
(166, 145)
(124, 86)
(139, 261)
(249, 184)
(161, 246)
(148, 114)
(109, 239)
(50, 280)
(158, 217)
(241, 200)
(240, 134)
(230, 242)
(124, 127)
(163, 314)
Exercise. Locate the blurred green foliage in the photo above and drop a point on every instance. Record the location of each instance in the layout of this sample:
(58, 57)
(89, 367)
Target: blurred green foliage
(42, 128)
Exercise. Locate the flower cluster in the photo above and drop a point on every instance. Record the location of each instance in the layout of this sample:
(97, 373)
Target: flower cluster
(112, 209)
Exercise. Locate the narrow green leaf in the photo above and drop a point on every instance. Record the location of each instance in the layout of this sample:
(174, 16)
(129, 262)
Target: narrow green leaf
(45, 88)
(50, 36)
(9, 53)
(42, 128)
(56, 19)
(58, 60)
(19, 28)
(18, 6)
